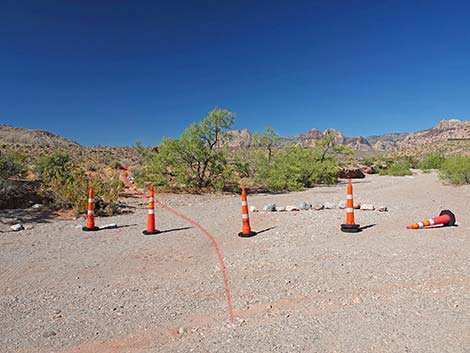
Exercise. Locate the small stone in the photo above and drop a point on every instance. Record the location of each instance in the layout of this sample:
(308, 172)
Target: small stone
(318, 207)
(280, 209)
(36, 206)
(342, 205)
(270, 207)
(49, 334)
(253, 209)
(357, 206)
(382, 209)
(17, 227)
(305, 206)
(292, 208)
(182, 330)
(367, 207)
(329, 206)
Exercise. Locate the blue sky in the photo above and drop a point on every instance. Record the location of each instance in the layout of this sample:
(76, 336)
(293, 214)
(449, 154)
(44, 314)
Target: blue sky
(116, 72)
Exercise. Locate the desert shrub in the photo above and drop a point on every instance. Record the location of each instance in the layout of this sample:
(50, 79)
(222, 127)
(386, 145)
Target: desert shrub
(116, 165)
(11, 167)
(56, 165)
(295, 168)
(456, 170)
(398, 167)
(66, 182)
(431, 161)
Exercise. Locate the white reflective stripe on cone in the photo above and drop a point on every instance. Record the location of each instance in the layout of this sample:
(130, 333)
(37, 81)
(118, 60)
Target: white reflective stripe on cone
(151, 199)
(431, 221)
(244, 203)
(91, 200)
(420, 224)
(90, 212)
(349, 210)
(151, 211)
(244, 216)
(349, 197)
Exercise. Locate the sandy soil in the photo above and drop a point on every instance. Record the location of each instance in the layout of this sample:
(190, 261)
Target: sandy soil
(300, 285)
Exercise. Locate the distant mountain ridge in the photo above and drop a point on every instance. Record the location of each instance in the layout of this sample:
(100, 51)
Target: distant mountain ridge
(452, 129)
(15, 135)
(390, 142)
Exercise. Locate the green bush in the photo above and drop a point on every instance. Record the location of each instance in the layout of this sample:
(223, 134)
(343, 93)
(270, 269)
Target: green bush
(67, 183)
(399, 167)
(456, 170)
(11, 167)
(295, 168)
(56, 165)
(431, 161)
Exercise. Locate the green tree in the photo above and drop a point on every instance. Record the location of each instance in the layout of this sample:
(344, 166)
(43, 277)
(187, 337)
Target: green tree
(267, 140)
(195, 159)
(328, 148)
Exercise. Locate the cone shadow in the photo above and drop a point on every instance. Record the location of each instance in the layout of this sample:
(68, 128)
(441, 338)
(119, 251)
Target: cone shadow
(265, 230)
(173, 230)
(367, 226)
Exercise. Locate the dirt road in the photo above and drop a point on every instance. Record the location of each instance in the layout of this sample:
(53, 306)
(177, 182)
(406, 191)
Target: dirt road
(300, 285)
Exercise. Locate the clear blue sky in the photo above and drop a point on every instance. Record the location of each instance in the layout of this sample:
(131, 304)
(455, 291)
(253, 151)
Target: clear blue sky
(115, 72)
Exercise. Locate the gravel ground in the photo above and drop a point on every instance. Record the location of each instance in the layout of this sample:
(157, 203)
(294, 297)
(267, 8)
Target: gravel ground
(300, 285)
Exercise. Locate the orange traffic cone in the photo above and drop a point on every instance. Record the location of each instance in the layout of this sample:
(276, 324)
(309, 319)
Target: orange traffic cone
(246, 230)
(151, 215)
(350, 226)
(446, 218)
(90, 218)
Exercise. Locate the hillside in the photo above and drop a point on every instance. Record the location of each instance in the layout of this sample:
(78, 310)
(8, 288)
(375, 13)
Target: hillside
(22, 136)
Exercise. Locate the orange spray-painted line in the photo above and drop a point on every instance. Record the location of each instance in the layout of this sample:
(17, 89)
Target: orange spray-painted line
(223, 268)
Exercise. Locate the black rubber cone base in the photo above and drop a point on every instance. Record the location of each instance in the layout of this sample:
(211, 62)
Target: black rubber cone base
(146, 232)
(350, 228)
(94, 229)
(243, 235)
(451, 215)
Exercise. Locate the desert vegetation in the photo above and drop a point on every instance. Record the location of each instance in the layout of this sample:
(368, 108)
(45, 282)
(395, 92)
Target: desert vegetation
(199, 160)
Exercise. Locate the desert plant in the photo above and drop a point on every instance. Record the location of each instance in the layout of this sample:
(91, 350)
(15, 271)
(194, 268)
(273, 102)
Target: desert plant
(431, 161)
(295, 168)
(66, 182)
(398, 167)
(11, 167)
(192, 161)
(456, 170)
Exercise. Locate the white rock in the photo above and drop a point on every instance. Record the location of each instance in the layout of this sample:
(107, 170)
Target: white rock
(382, 209)
(269, 207)
(292, 208)
(329, 206)
(280, 209)
(319, 207)
(17, 227)
(305, 206)
(253, 209)
(342, 204)
(367, 207)
(357, 205)
(36, 206)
